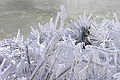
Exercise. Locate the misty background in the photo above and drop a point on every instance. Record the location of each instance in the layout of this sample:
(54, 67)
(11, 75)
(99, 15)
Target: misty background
(22, 14)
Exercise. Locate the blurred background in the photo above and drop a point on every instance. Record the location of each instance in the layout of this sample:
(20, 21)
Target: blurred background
(22, 14)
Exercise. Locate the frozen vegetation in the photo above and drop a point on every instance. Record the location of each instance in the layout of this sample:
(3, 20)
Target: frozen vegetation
(79, 50)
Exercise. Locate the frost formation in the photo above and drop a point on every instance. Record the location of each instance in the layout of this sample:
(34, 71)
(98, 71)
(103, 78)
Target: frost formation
(81, 50)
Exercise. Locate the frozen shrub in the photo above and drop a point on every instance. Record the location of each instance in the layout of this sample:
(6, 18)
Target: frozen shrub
(83, 51)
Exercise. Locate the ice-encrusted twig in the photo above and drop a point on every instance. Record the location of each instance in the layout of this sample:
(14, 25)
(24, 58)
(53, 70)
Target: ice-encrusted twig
(28, 59)
(36, 69)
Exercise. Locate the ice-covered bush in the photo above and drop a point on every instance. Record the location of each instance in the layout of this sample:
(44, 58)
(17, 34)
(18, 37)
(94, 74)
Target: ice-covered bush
(81, 50)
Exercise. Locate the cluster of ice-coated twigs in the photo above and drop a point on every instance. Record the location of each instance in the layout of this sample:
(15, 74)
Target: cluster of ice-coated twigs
(82, 50)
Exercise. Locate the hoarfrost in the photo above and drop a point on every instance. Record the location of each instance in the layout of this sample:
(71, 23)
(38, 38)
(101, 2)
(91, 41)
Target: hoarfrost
(84, 50)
